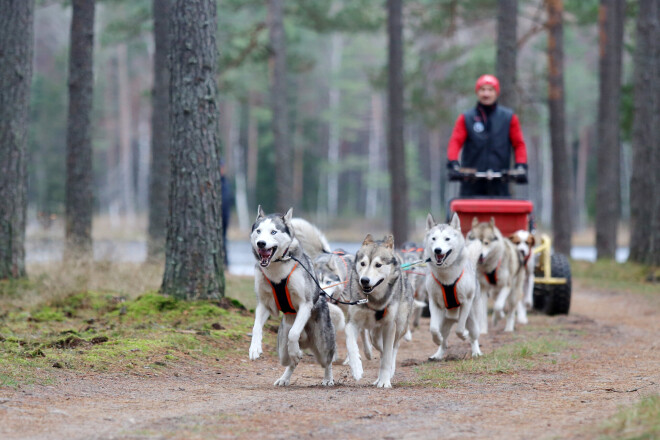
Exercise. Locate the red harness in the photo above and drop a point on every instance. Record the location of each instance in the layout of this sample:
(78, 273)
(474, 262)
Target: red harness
(451, 301)
(282, 295)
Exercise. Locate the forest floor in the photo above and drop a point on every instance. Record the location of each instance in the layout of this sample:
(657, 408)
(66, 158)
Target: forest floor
(557, 377)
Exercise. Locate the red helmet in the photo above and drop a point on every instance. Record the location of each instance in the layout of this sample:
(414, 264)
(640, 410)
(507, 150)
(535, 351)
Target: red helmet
(487, 79)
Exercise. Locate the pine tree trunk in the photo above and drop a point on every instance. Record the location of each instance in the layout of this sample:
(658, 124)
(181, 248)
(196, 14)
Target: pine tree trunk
(608, 192)
(643, 207)
(159, 175)
(16, 35)
(375, 141)
(334, 96)
(125, 147)
(278, 96)
(194, 259)
(562, 169)
(507, 21)
(396, 152)
(79, 198)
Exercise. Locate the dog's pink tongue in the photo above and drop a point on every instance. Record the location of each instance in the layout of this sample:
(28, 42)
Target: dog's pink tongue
(265, 253)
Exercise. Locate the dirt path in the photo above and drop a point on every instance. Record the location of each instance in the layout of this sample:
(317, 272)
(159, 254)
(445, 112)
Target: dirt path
(613, 358)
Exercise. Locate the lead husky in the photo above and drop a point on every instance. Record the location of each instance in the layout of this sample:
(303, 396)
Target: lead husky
(452, 285)
(282, 283)
(377, 276)
(500, 271)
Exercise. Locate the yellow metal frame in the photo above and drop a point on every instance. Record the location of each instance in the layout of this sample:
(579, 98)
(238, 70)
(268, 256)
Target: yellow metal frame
(544, 262)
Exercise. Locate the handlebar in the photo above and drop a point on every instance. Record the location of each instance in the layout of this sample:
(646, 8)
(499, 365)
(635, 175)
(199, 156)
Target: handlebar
(471, 174)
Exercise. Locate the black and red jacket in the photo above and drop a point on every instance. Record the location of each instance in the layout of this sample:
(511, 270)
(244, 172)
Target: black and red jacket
(487, 134)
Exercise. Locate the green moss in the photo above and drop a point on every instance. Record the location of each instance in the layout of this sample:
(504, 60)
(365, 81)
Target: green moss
(46, 313)
(640, 421)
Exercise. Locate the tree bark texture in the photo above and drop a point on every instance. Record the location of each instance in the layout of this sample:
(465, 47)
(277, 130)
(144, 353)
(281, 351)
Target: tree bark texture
(194, 259)
(79, 197)
(562, 169)
(278, 97)
(644, 221)
(16, 48)
(396, 152)
(505, 69)
(159, 176)
(608, 191)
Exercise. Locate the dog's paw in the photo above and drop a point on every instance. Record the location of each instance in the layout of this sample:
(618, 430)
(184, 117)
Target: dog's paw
(463, 335)
(476, 354)
(408, 336)
(521, 319)
(255, 352)
(282, 382)
(328, 382)
(295, 353)
(528, 303)
(383, 383)
(357, 371)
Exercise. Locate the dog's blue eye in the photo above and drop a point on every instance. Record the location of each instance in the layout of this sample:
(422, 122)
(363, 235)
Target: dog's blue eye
(273, 232)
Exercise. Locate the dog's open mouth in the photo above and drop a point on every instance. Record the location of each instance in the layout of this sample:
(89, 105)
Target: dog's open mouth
(481, 259)
(441, 258)
(266, 255)
(369, 289)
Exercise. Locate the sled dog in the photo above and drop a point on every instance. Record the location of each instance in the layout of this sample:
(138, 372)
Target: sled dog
(524, 242)
(500, 271)
(452, 285)
(284, 282)
(377, 276)
(310, 237)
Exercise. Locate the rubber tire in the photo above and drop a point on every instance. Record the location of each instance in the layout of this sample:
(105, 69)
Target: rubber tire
(557, 300)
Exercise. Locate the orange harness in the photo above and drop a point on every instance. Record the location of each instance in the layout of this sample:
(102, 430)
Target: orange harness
(451, 301)
(282, 295)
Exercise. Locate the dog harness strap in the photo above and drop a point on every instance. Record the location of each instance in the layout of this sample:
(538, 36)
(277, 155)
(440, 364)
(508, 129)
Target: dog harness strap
(451, 300)
(341, 254)
(282, 295)
(380, 314)
(492, 276)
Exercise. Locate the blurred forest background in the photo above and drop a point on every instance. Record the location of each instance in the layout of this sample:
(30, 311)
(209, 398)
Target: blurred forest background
(336, 100)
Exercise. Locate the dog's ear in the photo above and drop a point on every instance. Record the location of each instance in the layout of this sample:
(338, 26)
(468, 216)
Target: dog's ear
(389, 241)
(260, 213)
(475, 222)
(430, 223)
(531, 241)
(492, 221)
(455, 222)
(368, 240)
(286, 218)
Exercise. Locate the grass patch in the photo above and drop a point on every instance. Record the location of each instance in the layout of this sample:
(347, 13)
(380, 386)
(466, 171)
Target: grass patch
(508, 359)
(641, 421)
(116, 331)
(626, 277)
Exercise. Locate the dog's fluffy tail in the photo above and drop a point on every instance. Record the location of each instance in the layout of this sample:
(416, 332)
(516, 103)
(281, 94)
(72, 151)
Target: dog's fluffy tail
(310, 237)
(337, 317)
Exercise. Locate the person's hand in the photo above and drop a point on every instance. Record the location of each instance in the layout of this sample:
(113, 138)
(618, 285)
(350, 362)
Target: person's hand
(521, 173)
(453, 170)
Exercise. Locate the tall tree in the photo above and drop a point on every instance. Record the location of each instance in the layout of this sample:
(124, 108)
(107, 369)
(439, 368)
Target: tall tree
(644, 206)
(505, 65)
(395, 144)
(16, 47)
(278, 103)
(193, 257)
(562, 169)
(608, 192)
(79, 198)
(159, 176)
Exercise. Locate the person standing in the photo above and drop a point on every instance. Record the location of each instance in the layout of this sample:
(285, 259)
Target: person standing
(486, 135)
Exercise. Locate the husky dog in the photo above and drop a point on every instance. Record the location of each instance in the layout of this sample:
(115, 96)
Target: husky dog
(524, 242)
(282, 283)
(410, 253)
(377, 276)
(451, 281)
(500, 271)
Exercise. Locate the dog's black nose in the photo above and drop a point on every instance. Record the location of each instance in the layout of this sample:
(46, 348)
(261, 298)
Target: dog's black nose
(364, 282)
(438, 251)
(261, 244)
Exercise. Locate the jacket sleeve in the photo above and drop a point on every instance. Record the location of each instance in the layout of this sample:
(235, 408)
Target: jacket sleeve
(457, 139)
(517, 140)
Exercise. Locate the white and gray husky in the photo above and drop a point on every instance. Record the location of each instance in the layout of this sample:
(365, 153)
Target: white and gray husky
(284, 282)
(452, 285)
(377, 276)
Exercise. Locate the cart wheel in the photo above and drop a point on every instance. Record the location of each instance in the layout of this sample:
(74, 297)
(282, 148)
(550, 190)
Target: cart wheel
(557, 298)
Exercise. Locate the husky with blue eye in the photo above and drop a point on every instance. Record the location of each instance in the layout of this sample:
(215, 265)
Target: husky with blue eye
(284, 283)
